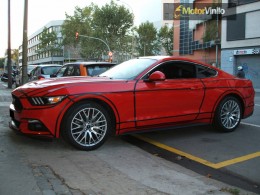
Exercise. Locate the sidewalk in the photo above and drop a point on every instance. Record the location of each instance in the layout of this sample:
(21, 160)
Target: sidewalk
(5, 94)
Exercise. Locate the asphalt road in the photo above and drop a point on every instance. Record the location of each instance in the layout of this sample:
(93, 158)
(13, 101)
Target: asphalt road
(233, 157)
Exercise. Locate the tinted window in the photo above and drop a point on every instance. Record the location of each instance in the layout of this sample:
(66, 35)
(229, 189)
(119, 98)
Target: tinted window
(236, 27)
(177, 70)
(205, 72)
(96, 69)
(72, 70)
(61, 71)
(50, 70)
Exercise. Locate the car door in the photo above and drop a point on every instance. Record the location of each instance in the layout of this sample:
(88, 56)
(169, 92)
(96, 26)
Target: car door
(176, 99)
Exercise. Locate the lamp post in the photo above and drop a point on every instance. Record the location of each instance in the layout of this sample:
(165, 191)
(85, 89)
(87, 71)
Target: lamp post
(96, 39)
(127, 5)
(109, 51)
(9, 62)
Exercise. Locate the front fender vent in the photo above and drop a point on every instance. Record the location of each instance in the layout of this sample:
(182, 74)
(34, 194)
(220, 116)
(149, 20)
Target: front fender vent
(38, 101)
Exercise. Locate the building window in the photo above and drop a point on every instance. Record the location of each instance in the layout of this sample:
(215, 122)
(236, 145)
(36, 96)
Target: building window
(236, 27)
(233, 3)
(168, 9)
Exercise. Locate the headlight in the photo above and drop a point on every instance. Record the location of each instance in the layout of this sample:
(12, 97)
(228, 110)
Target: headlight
(40, 101)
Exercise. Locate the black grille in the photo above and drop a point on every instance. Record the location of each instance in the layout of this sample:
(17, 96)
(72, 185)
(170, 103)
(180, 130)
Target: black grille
(17, 103)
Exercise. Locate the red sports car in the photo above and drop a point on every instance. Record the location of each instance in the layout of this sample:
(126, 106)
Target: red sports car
(144, 94)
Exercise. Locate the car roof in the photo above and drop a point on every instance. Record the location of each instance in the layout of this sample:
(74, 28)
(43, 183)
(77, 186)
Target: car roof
(47, 65)
(91, 63)
(166, 58)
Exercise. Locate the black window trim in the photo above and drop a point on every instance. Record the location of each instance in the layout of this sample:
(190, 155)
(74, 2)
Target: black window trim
(195, 64)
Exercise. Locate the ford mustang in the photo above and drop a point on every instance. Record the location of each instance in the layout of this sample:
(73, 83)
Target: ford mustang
(144, 94)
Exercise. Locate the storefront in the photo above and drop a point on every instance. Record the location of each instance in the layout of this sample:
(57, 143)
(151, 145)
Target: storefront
(249, 59)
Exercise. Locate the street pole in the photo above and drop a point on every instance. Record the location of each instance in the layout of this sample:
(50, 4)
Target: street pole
(25, 44)
(96, 39)
(9, 62)
(99, 40)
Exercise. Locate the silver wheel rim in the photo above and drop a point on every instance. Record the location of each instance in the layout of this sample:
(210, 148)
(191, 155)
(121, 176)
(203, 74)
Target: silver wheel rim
(230, 114)
(88, 127)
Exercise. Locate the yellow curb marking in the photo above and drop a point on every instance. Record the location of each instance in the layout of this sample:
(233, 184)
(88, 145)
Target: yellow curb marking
(197, 159)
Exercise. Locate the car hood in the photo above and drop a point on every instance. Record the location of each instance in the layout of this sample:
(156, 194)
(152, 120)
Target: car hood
(72, 85)
(65, 81)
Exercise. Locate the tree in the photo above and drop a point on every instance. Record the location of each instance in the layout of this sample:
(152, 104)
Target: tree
(110, 23)
(49, 42)
(113, 24)
(14, 56)
(147, 42)
(166, 39)
(80, 22)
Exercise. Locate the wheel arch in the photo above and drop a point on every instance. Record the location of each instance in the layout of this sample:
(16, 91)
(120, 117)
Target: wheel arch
(234, 94)
(107, 104)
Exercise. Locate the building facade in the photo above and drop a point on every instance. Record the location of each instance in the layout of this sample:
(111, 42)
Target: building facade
(66, 54)
(167, 10)
(240, 39)
(197, 38)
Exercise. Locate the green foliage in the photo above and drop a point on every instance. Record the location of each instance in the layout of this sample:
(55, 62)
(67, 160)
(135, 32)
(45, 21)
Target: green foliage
(48, 42)
(113, 24)
(232, 191)
(110, 23)
(166, 39)
(211, 31)
(147, 41)
(14, 55)
(80, 22)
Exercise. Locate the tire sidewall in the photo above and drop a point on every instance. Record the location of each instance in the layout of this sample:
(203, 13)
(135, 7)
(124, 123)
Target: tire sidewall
(66, 127)
(217, 119)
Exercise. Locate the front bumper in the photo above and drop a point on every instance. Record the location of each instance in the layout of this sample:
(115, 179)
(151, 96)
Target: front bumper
(37, 121)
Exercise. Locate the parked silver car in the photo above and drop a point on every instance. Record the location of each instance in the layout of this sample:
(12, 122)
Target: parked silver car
(18, 77)
(43, 71)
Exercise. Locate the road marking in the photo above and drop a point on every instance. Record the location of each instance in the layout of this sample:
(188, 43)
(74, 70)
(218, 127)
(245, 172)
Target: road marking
(257, 104)
(197, 159)
(253, 125)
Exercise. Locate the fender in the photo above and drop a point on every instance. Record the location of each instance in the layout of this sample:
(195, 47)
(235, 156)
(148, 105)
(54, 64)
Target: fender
(222, 96)
(81, 97)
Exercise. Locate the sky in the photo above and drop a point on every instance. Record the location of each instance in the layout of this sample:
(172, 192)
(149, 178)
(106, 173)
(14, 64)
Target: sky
(41, 12)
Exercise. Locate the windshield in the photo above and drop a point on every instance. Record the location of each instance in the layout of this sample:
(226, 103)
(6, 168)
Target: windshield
(50, 70)
(97, 69)
(129, 69)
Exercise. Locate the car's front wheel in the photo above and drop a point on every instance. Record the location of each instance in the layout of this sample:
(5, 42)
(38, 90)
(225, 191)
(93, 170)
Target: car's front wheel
(228, 114)
(87, 125)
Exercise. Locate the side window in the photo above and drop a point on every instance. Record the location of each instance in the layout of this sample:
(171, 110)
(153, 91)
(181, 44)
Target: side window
(69, 71)
(76, 71)
(32, 72)
(60, 73)
(205, 72)
(177, 70)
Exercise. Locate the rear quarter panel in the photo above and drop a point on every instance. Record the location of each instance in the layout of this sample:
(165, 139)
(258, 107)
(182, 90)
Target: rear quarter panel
(218, 88)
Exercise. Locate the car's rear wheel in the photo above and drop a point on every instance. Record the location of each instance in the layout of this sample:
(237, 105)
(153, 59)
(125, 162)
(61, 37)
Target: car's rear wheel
(87, 125)
(228, 114)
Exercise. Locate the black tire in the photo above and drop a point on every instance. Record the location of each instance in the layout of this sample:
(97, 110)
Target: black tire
(228, 114)
(86, 126)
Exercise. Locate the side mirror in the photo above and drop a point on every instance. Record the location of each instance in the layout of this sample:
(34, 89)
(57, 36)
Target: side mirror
(156, 76)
